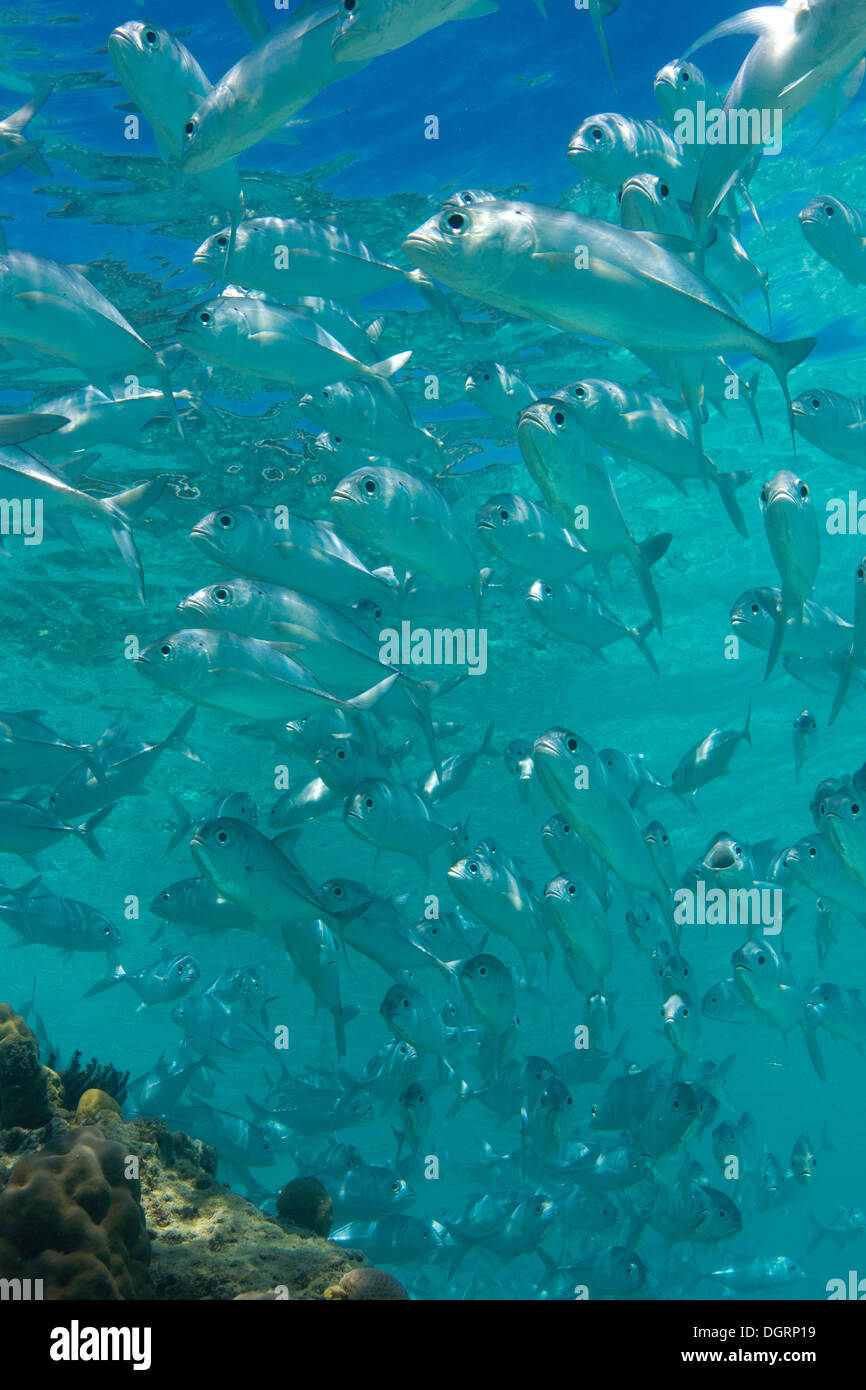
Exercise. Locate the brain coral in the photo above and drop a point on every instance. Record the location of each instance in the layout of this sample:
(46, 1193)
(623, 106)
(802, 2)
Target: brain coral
(70, 1216)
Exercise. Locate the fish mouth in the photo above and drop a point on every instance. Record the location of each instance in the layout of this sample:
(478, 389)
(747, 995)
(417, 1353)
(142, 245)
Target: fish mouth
(534, 419)
(340, 495)
(797, 408)
(578, 146)
(720, 858)
(417, 245)
(485, 526)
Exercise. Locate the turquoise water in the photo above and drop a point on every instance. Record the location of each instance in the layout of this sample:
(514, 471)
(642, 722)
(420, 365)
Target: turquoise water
(508, 90)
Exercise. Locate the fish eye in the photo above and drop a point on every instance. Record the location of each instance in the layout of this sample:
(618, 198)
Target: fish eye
(676, 1105)
(762, 960)
(395, 1186)
(349, 5)
(482, 971)
(685, 1013)
(756, 608)
(764, 495)
(226, 521)
(164, 897)
(566, 828)
(685, 77)
(804, 491)
(861, 572)
(150, 36)
(597, 134)
(106, 931)
(457, 221)
(855, 809)
(473, 867)
(664, 190)
(821, 809)
(580, 392)
(326, 391)
(222, 837)
(503, 515)
(486, 376)
(571, 745)
(205, 316)
(180, 970)
(222, 241)
(190, 129)
(594, 1111)
(341, 754)
(571, 890)
(816, 404)
(370, 486)
(368, 802)
(559, 419)
(221, 595)
(337, 891)
(548, 592)
(165, 649)
(830, 210)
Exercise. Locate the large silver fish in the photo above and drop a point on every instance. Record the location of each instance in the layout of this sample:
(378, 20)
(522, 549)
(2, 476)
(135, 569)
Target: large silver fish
(589, 277)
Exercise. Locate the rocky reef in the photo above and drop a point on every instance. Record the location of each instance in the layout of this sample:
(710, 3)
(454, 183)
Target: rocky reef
(98, 1207)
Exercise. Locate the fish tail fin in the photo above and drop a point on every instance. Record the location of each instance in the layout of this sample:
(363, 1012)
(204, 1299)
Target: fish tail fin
(421, 699)
(598, 25)
(727, 484)
(842, 688)
(368, 698)
(121, 510)
(162, 376)
(646, 555)
(747, 727)
(784, 358)
(184, 823)
(639, 636)
(487, 750)
(765, 291)
(390, 366)
(86, 829)
(750, 393)
(114, 978)
(778, 636)
(814, 1052)
(433, 296)
(177, 738)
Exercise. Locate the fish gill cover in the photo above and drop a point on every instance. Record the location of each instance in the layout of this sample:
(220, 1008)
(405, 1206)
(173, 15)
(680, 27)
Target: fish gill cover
(434, 620)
